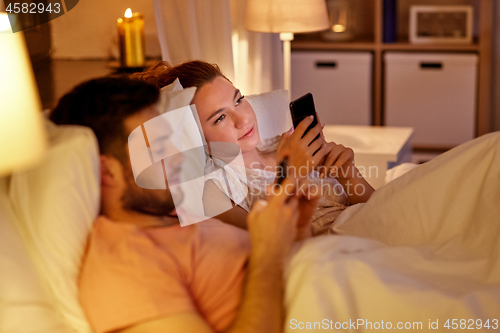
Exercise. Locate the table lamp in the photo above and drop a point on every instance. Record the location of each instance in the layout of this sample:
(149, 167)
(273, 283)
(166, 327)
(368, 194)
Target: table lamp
(22, 134)
(286, 17)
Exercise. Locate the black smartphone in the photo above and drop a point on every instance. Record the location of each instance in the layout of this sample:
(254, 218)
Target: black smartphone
(282, 171)
(301, 108)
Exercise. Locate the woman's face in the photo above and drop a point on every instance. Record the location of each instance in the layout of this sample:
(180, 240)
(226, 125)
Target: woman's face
(225, 115)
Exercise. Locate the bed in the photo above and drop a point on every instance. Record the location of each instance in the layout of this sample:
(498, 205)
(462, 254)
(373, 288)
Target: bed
(422, 253)
(393, 260)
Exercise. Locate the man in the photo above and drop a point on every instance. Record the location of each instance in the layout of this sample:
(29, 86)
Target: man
(143, 272)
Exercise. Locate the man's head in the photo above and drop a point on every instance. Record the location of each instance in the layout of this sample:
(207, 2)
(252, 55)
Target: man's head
(112, 107)
(103, 104)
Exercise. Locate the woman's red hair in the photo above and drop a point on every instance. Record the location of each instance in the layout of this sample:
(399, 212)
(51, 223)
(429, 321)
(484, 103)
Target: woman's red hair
(193, 73)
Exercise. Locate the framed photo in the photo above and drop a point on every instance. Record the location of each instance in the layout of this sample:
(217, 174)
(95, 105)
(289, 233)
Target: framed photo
(441, 24)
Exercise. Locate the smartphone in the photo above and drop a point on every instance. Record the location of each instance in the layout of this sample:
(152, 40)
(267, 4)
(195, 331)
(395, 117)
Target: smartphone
(282, 171)
(301, 108)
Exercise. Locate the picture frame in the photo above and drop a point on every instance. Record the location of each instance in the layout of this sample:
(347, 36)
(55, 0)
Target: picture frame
(441, 24)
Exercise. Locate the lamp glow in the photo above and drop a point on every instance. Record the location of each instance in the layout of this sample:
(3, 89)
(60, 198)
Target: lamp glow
(286, 17)
(128, 13)
(4, 23)
(338, 28)
(22, 133)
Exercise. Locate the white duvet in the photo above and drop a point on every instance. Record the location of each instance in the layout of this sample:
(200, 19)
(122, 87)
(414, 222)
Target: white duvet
(423, 254)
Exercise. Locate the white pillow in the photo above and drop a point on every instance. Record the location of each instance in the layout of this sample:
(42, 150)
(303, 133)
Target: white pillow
(174, 96)
(57, 201)
(273, 115)
(25, 306)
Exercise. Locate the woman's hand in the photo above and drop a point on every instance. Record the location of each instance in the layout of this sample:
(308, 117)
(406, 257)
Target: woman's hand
(337, 162)
(328, 158)
(301, 150)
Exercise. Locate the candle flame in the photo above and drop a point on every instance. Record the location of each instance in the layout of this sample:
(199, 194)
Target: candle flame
(128, 13)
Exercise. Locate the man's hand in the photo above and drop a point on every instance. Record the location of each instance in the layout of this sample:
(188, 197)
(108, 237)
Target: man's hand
(307, 195)
(273, 223)
(308, 203)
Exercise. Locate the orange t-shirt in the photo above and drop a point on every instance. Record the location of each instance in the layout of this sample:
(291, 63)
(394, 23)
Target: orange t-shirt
(131, 274)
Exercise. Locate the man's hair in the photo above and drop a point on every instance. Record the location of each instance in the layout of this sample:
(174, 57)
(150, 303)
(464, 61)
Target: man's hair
(193, 73)
(103, 104)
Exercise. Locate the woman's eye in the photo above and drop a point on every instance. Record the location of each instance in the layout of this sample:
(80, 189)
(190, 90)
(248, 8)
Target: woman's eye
(238, 101)
(220, 119)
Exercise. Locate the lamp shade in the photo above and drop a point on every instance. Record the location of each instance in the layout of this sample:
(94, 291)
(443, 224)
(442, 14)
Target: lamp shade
(286, 15)
(22, 133)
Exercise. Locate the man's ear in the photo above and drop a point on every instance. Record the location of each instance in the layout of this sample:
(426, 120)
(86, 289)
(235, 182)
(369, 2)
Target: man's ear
(111, 171)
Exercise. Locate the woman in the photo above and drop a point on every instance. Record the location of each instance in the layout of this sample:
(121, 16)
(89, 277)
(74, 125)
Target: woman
(226, 116)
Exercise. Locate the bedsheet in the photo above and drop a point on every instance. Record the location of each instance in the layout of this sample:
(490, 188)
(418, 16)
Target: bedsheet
(422, 253)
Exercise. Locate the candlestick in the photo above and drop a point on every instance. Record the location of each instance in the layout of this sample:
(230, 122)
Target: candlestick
(131, 38)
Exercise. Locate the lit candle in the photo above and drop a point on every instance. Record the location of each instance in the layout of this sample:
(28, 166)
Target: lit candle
(131, 37)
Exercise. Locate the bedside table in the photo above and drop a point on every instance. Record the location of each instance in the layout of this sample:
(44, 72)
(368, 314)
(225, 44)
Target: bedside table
(376, 148)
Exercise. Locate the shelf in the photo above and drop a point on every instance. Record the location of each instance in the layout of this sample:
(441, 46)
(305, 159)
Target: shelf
(326, 45)
(430, 47)
(371, 46)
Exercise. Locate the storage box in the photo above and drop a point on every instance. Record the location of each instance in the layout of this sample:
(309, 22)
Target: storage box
(340, 83)
(435, 93)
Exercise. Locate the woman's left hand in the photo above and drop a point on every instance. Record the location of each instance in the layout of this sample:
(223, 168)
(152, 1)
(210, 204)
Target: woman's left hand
(337, 161)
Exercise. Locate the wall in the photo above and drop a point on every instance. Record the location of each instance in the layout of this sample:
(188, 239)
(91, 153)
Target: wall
(89, 31)
(495, 126)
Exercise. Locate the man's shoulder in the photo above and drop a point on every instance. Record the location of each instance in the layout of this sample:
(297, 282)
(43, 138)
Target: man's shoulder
(117, 248)
(120, 239)
(114, 232)
(119, 259)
